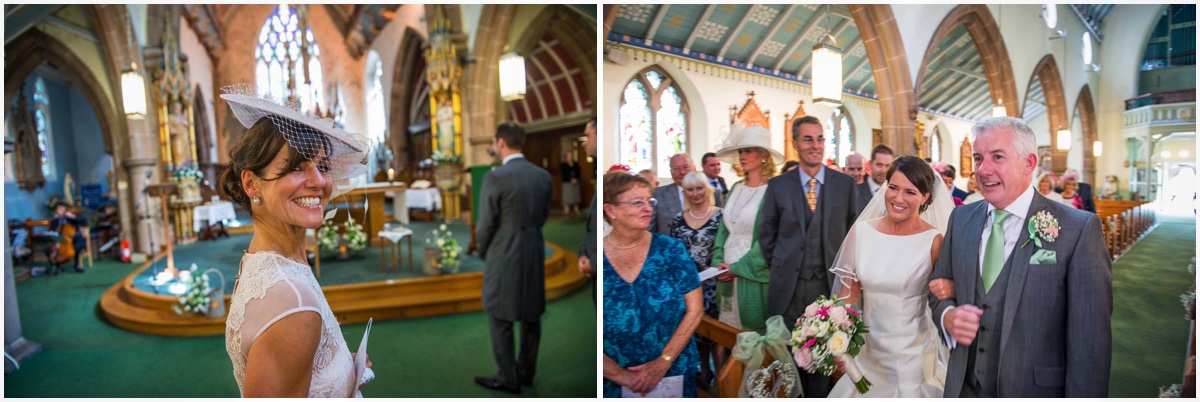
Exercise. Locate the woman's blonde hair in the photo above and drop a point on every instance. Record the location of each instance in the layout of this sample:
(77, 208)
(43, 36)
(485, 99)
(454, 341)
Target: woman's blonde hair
(1045, 176)
(767, 170)
(697, 178)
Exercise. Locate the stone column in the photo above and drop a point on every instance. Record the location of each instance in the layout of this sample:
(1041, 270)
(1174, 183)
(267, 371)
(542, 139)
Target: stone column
(16, 348)
(146, 209)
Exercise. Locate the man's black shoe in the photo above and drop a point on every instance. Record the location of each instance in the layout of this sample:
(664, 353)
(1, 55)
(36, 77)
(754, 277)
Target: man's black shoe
(494, 383)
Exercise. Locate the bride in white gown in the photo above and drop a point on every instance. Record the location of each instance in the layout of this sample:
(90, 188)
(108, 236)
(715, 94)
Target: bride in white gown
(884, 267)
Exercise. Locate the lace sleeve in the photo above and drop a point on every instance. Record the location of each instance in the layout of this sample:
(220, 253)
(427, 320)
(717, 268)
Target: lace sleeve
(282, 299)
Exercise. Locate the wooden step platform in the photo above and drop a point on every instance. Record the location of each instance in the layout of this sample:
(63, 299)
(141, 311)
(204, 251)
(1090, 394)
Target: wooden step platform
(136, 310)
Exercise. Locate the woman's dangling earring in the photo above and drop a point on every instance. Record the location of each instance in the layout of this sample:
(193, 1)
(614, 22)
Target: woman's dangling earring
(256, 201)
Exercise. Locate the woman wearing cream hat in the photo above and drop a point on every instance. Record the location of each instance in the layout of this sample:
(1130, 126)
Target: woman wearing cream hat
(742, 291)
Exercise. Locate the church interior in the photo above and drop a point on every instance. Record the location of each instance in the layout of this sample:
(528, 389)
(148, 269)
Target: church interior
(1109, 91)
(113, 111)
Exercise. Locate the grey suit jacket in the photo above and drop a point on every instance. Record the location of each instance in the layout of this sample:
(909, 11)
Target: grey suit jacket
(782, 229)
(864, 194)
(513, 205)
(1056, 333)
(668, 207)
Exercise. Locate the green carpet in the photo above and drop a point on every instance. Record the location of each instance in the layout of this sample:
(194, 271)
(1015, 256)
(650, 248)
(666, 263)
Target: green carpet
(1150, 333)
(83, 356)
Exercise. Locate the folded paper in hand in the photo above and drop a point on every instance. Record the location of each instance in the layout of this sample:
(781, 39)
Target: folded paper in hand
(360, 359)
(711, 272)
(668, 387)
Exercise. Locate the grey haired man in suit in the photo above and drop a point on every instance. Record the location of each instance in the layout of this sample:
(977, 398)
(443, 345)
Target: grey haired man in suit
(1023, 319)
(670, 197)
(514, 202)
(798, 239)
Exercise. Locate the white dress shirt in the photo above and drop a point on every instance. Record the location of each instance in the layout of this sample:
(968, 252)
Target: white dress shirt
(871, 184)
(511, 157)
(1019, 209)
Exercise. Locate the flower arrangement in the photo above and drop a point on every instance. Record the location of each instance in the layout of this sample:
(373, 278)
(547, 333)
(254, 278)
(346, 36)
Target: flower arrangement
(195, 300)
(448, 249)
(184, 171)
(330, 241)
(1042, 226)
(827, 336)
(439, 158)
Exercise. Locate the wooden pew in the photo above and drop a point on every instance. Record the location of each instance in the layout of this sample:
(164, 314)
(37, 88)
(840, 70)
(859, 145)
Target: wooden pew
(729, 377)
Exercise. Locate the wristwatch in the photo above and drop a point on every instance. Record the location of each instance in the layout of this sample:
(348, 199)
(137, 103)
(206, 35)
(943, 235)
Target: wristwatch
(666, 358)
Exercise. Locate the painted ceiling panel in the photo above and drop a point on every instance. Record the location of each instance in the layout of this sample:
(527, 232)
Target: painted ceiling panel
(956, 83)
(771, 37)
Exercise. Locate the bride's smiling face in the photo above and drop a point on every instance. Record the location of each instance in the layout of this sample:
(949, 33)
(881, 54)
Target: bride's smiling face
(903, 200)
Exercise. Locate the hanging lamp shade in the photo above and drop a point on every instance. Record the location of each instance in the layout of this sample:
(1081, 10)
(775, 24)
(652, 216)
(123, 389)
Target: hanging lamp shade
(133, 93)
(827, 75)
(998, 110)
(1063, 139)
(512, 77)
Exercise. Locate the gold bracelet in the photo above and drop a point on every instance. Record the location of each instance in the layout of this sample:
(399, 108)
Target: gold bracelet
(666, 358)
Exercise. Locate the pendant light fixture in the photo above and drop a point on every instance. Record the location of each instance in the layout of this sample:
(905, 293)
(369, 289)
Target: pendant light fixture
(827, 70)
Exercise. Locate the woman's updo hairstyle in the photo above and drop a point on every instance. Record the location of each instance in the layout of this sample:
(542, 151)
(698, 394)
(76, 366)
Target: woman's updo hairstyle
(919, 173)
(254, 151)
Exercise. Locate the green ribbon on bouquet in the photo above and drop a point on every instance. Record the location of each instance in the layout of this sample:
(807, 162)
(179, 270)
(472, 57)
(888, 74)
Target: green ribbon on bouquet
(749, 351)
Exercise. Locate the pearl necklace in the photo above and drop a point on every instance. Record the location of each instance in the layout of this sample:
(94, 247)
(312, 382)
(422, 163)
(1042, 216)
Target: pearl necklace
(635, 244)
(706, 209)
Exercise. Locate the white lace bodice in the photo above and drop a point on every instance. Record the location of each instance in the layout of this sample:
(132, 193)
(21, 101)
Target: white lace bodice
(270, 288)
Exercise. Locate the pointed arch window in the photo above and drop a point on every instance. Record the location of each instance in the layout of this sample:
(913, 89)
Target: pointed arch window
(653, 122)
(41, 121)
(935, 145)
(376, 115)
(280, 60)
(839, 136)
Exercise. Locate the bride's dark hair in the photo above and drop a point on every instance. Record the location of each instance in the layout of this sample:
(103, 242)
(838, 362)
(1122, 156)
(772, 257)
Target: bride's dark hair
(918, 172)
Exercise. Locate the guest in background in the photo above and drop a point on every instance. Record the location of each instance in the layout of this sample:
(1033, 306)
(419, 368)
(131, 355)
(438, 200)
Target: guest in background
(712, 170)
(1083, 189)
(514, 202)
(670, 196)
(742, 292)
(1111, 188)
(881, 159)
(652, 297)
(972, 185)
(63, 218)
(854, 167)
(788, 166)
(946, 174)
(650, 177)
(832, 164)
(1070, 190)
(1045, 186)
(570, 185)
(696, 227)
(587, 250)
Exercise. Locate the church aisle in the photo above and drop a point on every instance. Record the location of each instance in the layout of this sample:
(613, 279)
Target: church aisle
(426, 357)
(1150, 333)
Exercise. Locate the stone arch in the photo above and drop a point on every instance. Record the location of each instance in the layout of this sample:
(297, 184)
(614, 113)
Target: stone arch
(32, 49)
(691, 96)
(1047, 73)
(990, 45)
(400, 116)
(1085, 109)
(885, 49)
(482, 108)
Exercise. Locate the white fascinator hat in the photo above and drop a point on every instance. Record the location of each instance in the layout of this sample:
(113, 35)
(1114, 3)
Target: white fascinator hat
(741, 136)
(342, 154)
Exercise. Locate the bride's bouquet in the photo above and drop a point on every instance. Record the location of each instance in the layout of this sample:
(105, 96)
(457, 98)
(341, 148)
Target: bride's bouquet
(827, 336)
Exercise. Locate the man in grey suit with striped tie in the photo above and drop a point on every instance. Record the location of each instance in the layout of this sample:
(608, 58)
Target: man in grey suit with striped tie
(1028, 312)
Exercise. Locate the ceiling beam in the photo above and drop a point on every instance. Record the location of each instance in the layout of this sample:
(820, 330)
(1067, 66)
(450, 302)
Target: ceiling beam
(933, 71)
(937, 93)
(734, 33)
(980, 110)
(870, 79)
(783, 58)
(783, 16)
(837, 30)
(696, 29)
(1093, 29)
(970, 100)
(17, 25)
(658, 17)
(966, 72)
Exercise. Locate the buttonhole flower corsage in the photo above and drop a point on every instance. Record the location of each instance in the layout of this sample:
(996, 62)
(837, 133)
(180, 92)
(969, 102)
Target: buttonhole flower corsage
(1043, 226)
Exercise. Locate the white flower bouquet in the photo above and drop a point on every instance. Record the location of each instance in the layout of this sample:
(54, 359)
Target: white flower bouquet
(827, 336)
(448, 249)
(196, 299)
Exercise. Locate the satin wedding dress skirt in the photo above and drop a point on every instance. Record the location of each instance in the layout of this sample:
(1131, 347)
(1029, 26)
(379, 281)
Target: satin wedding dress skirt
(904, 355)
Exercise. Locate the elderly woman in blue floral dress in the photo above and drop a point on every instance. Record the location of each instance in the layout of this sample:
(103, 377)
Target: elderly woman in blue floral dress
(652, 300)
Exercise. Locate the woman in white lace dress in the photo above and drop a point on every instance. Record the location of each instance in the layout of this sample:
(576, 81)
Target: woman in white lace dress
(280, 334)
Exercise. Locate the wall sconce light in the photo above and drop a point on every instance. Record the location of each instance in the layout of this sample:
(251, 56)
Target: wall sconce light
(998, 110)
(133, 93)
(1097, 148)
(1064, 139)
(512, 77)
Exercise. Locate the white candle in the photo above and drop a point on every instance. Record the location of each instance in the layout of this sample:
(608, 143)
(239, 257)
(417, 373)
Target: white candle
(391, 174)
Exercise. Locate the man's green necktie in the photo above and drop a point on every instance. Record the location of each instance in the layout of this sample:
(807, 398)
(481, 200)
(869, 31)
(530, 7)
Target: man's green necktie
(993, 254)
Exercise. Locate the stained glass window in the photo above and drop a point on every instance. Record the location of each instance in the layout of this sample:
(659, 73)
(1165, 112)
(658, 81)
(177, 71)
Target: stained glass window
(376, 115)
(280, 61)
(41, 120)
(935, 145)
(839, 136)
(648, 135)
